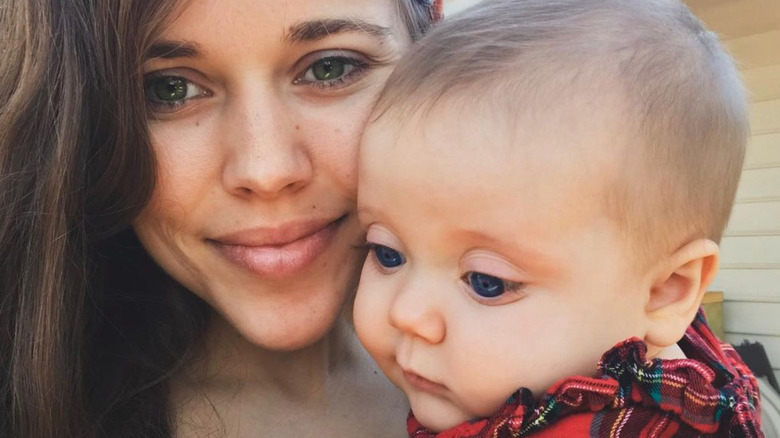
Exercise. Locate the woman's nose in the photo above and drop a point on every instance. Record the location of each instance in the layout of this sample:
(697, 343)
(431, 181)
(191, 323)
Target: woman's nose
(267, 154)
(414, 311)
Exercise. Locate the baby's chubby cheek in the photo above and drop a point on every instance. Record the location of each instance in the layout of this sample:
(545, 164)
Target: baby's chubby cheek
(370, 319)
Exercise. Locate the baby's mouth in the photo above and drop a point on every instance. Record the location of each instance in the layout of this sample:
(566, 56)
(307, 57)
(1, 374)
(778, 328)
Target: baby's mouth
(421, 383)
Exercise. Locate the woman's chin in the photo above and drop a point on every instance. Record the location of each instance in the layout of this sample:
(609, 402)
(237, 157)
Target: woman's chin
(287, 326)
(288, 335)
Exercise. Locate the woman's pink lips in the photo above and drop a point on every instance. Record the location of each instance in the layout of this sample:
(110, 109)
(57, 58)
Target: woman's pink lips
(279, 260)
(424, 384)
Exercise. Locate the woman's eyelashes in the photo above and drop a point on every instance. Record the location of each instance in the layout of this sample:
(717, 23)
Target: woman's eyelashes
(385, 256)
(168, 93)
(489, 287)
(333, 70)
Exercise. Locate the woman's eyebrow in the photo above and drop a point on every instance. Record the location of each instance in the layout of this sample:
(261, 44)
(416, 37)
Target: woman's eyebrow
(308, 31)
(173, 49)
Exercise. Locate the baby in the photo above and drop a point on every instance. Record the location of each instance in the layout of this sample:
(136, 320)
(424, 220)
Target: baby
(544, 185)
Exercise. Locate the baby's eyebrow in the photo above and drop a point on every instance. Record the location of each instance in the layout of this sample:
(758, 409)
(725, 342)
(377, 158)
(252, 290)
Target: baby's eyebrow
(313, 30)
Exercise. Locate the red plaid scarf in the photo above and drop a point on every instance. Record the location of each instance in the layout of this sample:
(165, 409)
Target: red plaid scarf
(711, 393)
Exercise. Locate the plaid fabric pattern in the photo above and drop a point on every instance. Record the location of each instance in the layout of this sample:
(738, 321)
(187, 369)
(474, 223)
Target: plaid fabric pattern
(711, 393)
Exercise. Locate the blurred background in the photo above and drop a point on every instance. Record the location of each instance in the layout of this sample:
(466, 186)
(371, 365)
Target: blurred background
(454, 6)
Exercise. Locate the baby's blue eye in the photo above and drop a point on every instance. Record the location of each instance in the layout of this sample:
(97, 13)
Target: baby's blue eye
(485, 285)
(388, 257)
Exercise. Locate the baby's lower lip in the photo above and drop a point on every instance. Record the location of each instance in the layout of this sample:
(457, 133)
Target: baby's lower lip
(424, 384)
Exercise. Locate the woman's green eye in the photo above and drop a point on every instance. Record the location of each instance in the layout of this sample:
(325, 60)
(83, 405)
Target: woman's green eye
(169, 93)
(328, 69)
(169, 89)
(332, 72)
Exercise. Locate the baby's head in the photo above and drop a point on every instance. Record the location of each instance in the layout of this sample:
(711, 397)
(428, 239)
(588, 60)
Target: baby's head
(543, 179)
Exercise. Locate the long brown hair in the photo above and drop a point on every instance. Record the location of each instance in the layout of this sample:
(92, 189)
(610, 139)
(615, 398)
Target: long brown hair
(76, 168)
(90, 328)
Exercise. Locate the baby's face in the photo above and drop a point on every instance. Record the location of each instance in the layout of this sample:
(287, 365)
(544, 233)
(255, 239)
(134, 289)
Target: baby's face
(492, 265)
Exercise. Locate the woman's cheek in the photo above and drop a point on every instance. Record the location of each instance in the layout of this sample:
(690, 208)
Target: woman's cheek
(336, 131)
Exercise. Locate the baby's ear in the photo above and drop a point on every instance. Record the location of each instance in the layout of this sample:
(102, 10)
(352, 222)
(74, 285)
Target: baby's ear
(677, 292)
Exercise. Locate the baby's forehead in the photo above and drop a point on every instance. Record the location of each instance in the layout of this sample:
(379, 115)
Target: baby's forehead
(446, 146)
(588, 129)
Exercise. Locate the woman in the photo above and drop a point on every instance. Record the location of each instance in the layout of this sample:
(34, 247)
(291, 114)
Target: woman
(177, 237)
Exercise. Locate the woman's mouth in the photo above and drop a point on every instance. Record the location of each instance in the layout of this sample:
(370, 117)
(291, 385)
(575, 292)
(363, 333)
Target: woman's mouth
(278, 252)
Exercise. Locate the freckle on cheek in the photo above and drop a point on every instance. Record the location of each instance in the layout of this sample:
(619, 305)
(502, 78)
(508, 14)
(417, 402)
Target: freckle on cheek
(197, 122)
(297, 127)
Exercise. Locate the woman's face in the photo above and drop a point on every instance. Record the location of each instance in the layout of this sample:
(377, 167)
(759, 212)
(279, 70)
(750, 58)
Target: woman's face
(257, 108)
